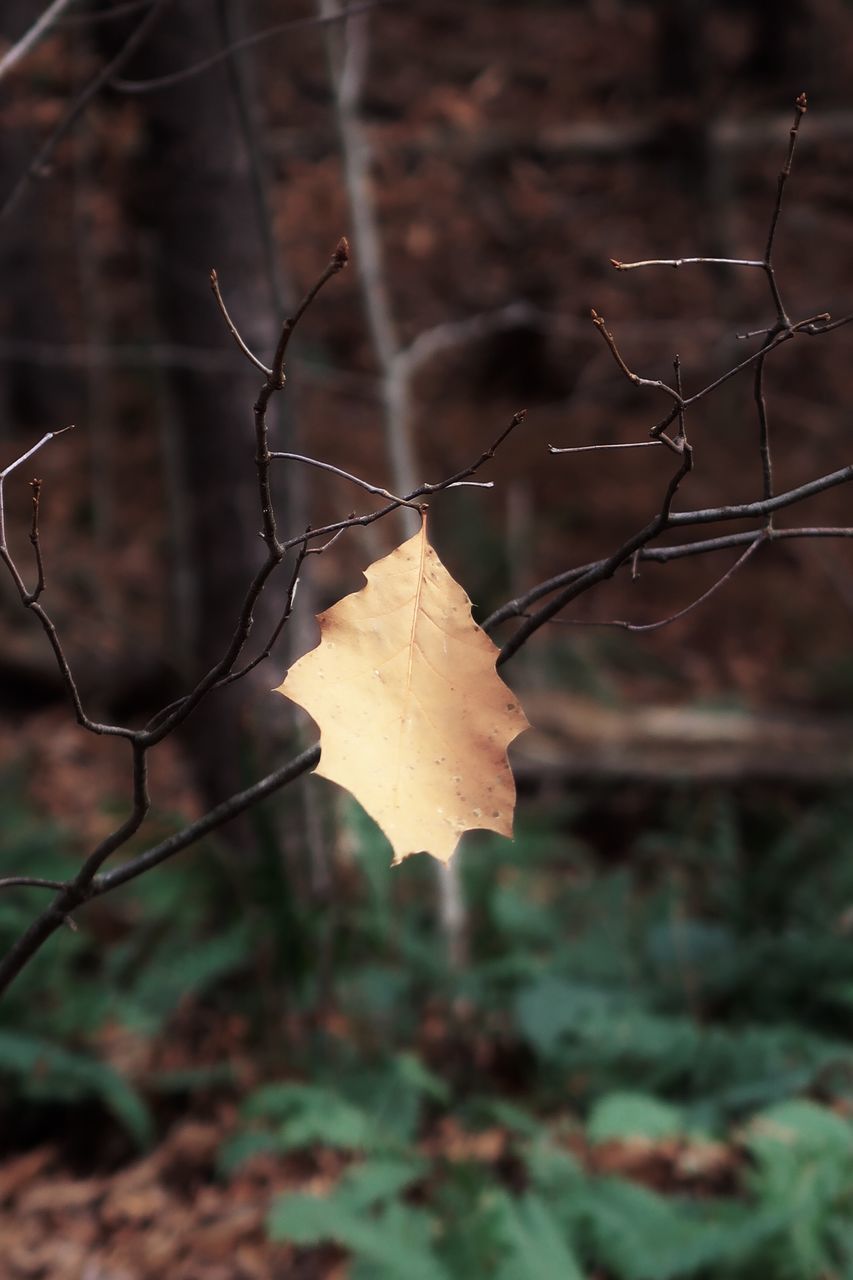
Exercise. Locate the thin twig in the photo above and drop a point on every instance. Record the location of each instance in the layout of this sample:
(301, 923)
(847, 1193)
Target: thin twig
(783, 324)
(682, 424)
(338, 261)
(423, 490)
(755, 333)
(37, 166)
(812, 326)
(30, 882)
(763, 421)
(596, 448)
(518, 607)
(345, 475)
(604, 569)
(304, 552)
(232, 328)
(680, 550)
(757, 540)
(165, 721)
(13, 466)
(167, 718)
(816, 328)
(140, 805)
(211, 821)
(78, 890)
(750, 510)
(656, 383)
(35, 485)
(686, 262)
(30, 599)
(113, 14)
(31, 37)
(800, 108)
(247, 42)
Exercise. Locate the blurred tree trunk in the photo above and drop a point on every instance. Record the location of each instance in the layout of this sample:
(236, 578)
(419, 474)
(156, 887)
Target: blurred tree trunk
(682, 86)
(34, 394)
(193, 194)
(783, 49)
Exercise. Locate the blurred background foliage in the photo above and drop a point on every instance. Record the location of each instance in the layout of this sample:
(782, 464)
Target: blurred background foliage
(642, 1070)
(632, 1059)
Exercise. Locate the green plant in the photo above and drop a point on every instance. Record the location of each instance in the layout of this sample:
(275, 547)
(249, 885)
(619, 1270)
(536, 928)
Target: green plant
(139, 982)
(791, 1224)
(572, 968)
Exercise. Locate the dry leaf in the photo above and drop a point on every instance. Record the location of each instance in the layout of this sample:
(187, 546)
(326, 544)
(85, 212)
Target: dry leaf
(415, 721)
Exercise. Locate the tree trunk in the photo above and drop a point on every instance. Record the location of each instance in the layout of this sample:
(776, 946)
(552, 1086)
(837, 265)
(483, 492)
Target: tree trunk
(34, 395)
(193, 193)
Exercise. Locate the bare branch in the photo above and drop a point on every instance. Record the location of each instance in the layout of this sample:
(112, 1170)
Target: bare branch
(290, 597)
(30, 38)
(78, 890)
(678, 551)
(120, 836)
(554, 594)
(211, 821)
(822, 324)
(247, 42)
(682, 424)
(38, 165)
(338, 261)
(30, 599)
(757, 540)
(113, 14)
(575, 582)
(686, 262)
(423, 490)
(596, 448)
(35, 485)
(13, 466)
(800, 108)
(30, 882)
(214, 284)
(750, 510)
(518, 607)
(345, 475)
(604, 569)
(656, 383)
(763, 422)
(165, 721)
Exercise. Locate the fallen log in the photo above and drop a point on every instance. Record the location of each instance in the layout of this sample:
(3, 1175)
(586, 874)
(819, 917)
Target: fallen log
(575, 738)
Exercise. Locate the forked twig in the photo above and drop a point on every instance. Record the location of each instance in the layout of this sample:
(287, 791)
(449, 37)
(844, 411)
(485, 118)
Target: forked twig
(757, 540)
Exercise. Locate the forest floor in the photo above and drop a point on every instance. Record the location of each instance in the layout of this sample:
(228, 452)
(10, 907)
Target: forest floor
(170, 1213)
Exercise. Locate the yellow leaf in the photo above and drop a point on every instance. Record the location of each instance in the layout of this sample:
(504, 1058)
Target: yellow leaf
(414, 720)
